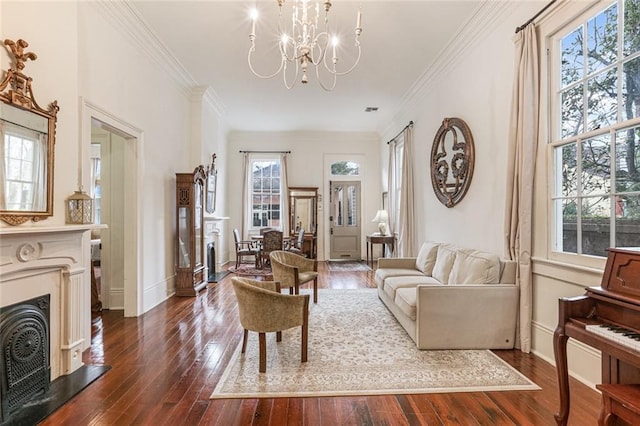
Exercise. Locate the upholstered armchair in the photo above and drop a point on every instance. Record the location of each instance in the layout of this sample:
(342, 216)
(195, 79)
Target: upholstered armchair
(245, 249)
(264, 310)
(292, 270)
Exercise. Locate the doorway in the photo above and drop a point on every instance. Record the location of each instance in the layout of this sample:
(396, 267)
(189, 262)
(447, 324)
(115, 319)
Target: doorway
(345, 220)
(117, 206)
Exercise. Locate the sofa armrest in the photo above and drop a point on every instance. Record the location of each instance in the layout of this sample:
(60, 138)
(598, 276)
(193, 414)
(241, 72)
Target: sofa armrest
(481, 316)
(397, 262)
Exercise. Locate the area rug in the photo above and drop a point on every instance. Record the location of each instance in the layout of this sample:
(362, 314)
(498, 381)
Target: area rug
(356, 347)
(245, 270)
(347, 266)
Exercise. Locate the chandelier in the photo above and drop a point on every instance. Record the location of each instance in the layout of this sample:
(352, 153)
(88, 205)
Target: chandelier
(304, 43)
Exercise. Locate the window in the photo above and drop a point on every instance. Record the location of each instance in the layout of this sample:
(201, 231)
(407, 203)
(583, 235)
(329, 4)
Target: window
(345, 168)
(596, 131)
(265, 194)
(24, 166)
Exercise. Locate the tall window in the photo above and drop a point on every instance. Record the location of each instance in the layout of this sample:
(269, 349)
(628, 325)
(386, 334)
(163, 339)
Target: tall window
(596, 131)
(266, 193)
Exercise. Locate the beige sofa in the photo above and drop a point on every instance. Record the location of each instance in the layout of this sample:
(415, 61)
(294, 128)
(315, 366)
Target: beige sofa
(450, 297)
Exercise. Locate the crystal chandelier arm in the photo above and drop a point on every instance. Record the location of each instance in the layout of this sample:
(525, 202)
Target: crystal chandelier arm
(355, 64)
(326, 88)
(257, 74)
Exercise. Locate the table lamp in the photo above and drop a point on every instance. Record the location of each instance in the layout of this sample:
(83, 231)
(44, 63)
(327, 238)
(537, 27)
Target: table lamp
(382, 217)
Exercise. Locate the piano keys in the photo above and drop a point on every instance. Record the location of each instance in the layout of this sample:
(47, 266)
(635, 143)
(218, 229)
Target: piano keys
(606, 318)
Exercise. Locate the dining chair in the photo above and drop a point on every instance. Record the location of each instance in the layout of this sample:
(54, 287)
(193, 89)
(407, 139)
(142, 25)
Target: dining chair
(263, 309)
(246, 249)
(271, 240)
(297, 244)
(292, 270)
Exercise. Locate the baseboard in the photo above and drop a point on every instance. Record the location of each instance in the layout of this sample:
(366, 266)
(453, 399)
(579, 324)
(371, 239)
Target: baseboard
(158, 293)
(583, 361)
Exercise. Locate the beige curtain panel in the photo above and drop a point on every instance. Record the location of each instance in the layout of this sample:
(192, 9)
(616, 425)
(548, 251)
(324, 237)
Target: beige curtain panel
(523, 142)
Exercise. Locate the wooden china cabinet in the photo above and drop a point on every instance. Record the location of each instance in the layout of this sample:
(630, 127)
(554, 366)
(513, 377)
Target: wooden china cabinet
(190, 269)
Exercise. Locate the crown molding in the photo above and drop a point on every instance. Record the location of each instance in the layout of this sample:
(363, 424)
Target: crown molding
(126, 18)
(481, 22)
(206, 93)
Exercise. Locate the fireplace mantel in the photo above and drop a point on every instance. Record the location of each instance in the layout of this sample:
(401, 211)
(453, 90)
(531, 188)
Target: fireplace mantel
(38, 260)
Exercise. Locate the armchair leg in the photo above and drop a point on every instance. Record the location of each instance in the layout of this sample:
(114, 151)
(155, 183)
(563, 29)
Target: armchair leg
(315, 290)
(244, 340)
(278, 336)
(305, 332)
(263, 352)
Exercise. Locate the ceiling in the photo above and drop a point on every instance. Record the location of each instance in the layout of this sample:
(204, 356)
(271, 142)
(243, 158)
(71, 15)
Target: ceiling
(400, 40)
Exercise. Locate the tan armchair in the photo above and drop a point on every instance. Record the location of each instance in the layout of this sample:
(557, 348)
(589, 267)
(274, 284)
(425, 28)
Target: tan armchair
(264, 310)
(245, 248)
(292, 270)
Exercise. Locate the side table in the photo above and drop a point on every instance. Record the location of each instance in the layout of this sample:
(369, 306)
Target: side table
(379, 239)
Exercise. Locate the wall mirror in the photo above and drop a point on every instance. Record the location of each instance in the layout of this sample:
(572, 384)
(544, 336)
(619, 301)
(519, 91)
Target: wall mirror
(303, 209)
(452, 158)
(27, 134)
(212, 181)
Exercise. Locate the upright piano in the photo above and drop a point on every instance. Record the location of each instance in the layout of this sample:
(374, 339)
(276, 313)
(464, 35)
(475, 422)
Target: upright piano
(607, 318)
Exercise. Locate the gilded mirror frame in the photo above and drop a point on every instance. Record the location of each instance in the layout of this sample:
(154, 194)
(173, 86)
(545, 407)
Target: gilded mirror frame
(452, 161)
(16, 91)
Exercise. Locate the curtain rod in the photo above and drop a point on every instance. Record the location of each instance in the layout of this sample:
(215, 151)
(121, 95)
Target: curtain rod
(400, 132)
(522, 27)
(264, 152)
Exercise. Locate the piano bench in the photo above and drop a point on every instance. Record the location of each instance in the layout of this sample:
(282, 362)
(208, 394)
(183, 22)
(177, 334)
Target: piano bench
(620, 404)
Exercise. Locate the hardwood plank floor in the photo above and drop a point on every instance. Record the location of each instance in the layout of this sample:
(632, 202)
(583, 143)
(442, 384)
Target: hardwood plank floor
(167, 362)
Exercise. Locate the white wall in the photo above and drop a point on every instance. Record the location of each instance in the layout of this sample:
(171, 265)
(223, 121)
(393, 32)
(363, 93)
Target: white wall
(306, 168)
(473, 80)
(91, 50)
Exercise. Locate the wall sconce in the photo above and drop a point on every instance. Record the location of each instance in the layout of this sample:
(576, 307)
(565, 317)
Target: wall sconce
(79, 208)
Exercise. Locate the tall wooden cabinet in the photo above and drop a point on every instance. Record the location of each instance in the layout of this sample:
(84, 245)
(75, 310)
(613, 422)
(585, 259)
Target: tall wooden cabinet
(190, 269)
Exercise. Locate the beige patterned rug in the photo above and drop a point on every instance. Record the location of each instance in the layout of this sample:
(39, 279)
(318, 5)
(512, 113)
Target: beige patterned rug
(356, 347)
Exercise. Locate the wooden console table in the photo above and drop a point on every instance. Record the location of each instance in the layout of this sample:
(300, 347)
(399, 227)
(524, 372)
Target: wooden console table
(379, 239)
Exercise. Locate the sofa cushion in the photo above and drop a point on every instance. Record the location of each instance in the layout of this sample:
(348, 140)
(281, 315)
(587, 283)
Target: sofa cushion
(392, 284)
(406, 300)
(444, 263)
(475, 267)
(427, 257)
(383, 273)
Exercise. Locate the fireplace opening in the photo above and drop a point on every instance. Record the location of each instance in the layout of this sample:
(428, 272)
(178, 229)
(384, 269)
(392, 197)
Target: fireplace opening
(25, 370)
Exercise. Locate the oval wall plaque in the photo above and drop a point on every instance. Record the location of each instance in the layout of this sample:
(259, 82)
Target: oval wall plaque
(452, 158)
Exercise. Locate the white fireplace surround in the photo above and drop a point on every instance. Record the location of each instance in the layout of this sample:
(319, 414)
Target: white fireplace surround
(52, 260)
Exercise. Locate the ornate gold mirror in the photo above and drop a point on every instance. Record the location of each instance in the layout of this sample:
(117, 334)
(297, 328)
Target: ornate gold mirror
(452, 158)
(27, 134)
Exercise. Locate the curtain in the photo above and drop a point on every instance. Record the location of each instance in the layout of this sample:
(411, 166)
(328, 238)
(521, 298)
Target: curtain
(3, 176)
(284, 198)
(40, 173)
(523, 140)
(391, 182)
(245, 196)
(406, 246)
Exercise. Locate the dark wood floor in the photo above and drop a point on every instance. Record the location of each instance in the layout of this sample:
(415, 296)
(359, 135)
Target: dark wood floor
(167, 363)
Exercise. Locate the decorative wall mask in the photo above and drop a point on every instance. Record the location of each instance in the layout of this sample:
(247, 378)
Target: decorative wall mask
(452, 158)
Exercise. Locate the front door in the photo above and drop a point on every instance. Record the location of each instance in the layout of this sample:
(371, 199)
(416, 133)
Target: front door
(344, 220)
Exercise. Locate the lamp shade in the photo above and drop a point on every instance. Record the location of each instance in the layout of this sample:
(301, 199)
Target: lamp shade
(381, 216)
